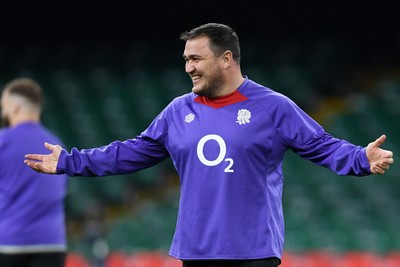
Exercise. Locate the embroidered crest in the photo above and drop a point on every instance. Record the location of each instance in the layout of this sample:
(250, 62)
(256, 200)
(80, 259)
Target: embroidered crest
(189, 117)
(243, 116)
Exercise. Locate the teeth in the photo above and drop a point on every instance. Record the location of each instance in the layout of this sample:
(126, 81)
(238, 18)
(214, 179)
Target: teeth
(195, 78)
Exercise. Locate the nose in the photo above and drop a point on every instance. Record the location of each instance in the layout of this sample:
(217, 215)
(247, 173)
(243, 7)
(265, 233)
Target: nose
(189, 67)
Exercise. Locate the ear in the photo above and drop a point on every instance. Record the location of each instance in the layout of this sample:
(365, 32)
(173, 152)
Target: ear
(15, 108)
(227, 58)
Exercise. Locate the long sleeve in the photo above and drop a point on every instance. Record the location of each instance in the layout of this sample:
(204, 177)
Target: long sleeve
(338, 155)
(307, 138)
(119, 157)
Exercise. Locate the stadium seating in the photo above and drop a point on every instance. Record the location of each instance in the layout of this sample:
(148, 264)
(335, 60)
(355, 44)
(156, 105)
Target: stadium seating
(100, 93)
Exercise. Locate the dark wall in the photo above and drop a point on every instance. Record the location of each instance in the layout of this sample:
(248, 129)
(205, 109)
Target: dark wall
(364, 21)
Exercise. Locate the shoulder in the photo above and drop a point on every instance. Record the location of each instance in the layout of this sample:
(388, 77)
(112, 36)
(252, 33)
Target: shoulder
(178, 102)
(2, 138)
(266, 97)
(182, 100)
(8, 140)
(39, 133)
(5, 134)
(52, 136)
(2, 132)
(166, 116)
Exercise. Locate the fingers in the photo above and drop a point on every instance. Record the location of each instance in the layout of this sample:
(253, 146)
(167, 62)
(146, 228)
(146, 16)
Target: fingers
(33, 164)
(37, 157)
(381, 167)
(389, 154)
(40, 156)
(44, 163)
(384, 166)
(388, 160)
(37, 167)
(377, 170)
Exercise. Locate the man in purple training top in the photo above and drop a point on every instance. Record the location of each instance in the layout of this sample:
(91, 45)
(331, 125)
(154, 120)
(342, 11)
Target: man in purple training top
(32, 227)
(227, 140)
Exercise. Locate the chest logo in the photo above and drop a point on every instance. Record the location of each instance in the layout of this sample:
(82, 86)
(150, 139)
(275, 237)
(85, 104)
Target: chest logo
(243, 116)
(189, 117)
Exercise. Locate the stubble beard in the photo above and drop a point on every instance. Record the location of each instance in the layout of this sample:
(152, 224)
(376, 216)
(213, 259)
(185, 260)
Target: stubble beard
(213, 87)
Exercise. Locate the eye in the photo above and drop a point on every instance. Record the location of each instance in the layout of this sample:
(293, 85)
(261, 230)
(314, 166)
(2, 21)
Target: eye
(192, 59)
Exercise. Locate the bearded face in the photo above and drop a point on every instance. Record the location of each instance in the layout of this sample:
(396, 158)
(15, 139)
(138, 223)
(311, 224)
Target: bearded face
(211, 84)
(204, 68)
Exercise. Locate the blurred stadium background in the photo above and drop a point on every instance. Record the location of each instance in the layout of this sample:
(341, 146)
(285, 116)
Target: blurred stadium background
(107, 71)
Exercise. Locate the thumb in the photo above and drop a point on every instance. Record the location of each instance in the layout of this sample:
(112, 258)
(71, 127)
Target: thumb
(49, 146)
(378, 142)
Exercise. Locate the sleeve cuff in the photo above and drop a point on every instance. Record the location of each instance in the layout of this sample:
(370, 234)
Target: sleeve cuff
(364, 161)
(61, 162)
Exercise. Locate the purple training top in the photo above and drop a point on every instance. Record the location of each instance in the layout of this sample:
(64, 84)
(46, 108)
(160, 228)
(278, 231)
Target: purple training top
(31, 204)
(228, 153)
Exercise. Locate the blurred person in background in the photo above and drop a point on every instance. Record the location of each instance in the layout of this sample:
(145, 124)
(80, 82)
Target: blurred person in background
(32, 223)
(227, 139)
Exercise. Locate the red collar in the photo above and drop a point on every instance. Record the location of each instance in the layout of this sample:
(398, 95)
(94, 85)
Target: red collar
(221, 101)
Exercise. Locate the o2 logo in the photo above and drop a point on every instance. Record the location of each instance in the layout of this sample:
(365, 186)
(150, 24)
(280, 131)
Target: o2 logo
(221, 155)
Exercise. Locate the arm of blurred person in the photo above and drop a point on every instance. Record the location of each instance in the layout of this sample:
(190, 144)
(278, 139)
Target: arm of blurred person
(379, 159)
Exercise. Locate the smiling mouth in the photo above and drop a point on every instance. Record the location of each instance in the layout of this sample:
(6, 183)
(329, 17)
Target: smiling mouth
(195, 78)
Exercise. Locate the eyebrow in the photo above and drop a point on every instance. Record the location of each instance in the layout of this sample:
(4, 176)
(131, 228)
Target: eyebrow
(191, 56)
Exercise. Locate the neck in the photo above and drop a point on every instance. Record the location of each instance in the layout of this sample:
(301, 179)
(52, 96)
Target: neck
(232, 85)
(24, 119)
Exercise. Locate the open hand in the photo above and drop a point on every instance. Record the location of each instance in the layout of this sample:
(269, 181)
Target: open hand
(44, 163)
(379, 159)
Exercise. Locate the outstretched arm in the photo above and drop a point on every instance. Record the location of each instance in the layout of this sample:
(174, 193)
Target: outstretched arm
(379, 159)
(116, 158)
(44, 163)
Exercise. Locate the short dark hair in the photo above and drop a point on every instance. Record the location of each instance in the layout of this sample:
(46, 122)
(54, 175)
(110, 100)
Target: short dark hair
(27, 88)
(222, 37)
